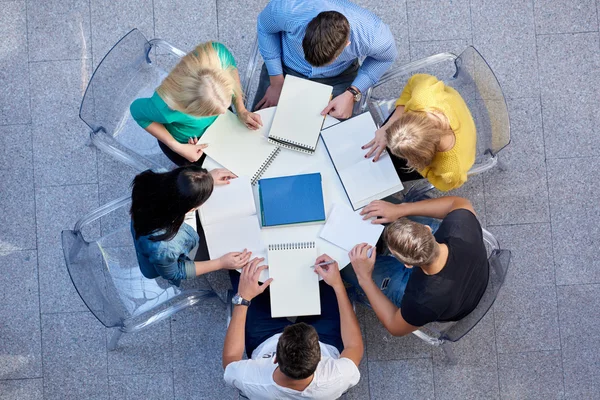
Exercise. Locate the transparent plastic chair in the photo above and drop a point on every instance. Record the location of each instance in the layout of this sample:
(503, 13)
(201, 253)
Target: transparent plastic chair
(130, 70)
(107, 277)
(468, 73)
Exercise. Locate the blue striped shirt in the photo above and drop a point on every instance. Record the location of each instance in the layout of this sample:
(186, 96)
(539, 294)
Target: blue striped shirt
(281, 27)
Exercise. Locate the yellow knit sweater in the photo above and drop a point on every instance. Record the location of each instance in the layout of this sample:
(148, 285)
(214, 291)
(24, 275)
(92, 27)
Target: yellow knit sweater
(426, 93)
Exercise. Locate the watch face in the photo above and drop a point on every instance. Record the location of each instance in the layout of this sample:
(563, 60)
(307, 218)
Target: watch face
(237, 299)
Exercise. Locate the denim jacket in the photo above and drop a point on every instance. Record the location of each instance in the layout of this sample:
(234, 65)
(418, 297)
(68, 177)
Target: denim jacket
(167, 258)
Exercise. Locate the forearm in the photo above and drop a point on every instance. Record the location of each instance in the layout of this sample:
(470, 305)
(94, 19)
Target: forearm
(233, 347)
(383, 307)
(351, 336)
(161, 133)
(238, 101)
(398, 111)
(204, 267)
(434, 208)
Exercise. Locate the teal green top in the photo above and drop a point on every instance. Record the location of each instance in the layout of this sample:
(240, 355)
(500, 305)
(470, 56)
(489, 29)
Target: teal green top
(180, 125)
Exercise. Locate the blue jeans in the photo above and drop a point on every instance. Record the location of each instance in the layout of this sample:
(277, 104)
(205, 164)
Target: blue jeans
(260, 326)
(389, 274)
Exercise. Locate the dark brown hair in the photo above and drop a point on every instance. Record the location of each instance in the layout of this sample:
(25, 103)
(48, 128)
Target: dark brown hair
(325, 38)
(298, 351)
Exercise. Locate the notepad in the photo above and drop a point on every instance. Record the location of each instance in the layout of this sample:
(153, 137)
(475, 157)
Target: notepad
(239, 149)
(292, 199)
(298, 118)
(229, 220)
(363, 179)
(346, 228)
(295, 286)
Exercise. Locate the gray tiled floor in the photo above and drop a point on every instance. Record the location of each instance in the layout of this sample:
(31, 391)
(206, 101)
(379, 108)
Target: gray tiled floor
(540, 340)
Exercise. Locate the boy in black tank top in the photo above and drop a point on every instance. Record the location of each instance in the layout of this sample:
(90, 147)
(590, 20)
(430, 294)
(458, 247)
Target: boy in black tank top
(449, 269)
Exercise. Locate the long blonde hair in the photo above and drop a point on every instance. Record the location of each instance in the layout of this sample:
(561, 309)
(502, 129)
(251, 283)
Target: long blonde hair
(198, 85)
(416, 136)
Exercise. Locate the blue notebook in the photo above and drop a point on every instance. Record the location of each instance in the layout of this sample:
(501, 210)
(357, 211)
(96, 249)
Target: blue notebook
(291, 200)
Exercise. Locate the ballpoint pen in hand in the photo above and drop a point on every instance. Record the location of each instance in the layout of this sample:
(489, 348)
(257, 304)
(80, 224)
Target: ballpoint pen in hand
(322, 264)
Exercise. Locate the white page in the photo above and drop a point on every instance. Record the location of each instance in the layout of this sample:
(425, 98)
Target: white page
(295, 286)
(235, 235)
(237, 148)
(346, 228)
(363, 179)
(298, 117)
(228, 202)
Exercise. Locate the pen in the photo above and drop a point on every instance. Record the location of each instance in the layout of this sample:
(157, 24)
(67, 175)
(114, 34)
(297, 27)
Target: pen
(370, 252)
(322, 264)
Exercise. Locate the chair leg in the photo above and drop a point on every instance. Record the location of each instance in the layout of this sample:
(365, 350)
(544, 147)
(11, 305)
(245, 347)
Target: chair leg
(114, 339)
(447, 347)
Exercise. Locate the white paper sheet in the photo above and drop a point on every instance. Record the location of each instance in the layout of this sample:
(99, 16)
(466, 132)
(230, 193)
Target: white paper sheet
(345, 228)
(229, 202)
(235, 235)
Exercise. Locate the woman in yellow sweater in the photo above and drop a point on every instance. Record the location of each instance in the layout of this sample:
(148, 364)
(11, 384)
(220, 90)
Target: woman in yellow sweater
(431, 132)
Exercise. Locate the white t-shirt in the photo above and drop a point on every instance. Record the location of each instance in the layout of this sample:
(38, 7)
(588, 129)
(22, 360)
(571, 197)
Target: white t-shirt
(254, 377)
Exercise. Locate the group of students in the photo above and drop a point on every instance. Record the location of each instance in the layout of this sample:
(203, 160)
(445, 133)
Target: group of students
(431, 264)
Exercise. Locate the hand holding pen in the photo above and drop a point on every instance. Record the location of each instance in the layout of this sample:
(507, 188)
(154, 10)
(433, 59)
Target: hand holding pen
(328, 269)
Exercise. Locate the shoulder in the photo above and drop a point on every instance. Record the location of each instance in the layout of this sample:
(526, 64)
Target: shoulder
(338, 372)
(227, 59)
(460, 227)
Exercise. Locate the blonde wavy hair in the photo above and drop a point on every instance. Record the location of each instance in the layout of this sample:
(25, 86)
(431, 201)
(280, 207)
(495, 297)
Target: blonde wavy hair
(410, 242)
(198, 85)
(416, 136)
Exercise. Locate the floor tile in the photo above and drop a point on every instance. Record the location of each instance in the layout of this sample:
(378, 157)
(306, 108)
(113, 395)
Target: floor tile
(516, 189)
(503, 31)
(14, 69)
(157, 386)
(67, 22)
(582, 374)
(575, 213)
(83, 386)
(422, 49)
(22, 389)
(408, 379)
(532, 375)
(361, 390)
(439, 20)
(111, 20)
(143, 352)
(531, 263)
(571, 128)
(563, 16)
(569, 65)
(526, 319)
(465, 382)
(579, 317)
(186, 23)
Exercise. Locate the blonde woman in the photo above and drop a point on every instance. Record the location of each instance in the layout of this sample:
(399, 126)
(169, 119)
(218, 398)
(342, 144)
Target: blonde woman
(202, 86)
(431, 134)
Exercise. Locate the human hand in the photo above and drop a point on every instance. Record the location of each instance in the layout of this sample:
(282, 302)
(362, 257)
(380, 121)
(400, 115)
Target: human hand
(249, 287)
(341, 106)
(222, 176)
(361, 262)
(377, 145)
(191, 151)
(235, 260)
(330, 273)
(383, 212)
(271, 97)
(251, 120)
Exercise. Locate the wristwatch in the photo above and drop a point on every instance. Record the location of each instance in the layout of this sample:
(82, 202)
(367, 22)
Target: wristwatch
(357, 95)
(238, 300)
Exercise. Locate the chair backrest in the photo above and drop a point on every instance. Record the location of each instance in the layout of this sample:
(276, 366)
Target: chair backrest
(130, 70)
(498, 262)
(472, 77)
(106, 274)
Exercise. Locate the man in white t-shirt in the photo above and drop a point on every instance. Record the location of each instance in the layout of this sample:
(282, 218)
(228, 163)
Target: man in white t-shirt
(315, 358)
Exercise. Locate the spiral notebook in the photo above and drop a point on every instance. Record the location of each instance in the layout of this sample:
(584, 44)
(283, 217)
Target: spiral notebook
(298, 118)
(239, 149)
(295, 286)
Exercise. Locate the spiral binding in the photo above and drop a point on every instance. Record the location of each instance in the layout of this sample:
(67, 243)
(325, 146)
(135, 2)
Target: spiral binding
(292, 246)
(291, 145)
(264, 166)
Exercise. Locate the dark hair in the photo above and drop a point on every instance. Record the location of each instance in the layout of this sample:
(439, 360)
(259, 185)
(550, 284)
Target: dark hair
(298, 351)
(325, 38)
(159, 201)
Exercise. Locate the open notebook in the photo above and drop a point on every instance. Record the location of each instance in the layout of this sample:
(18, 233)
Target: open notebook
(229, 220)
(295, 287)
(346, 228)
(298, 118)
(239, 149)
(363, 179)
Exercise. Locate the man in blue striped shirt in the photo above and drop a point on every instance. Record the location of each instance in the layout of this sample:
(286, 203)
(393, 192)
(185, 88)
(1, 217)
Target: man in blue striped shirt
(322, 41)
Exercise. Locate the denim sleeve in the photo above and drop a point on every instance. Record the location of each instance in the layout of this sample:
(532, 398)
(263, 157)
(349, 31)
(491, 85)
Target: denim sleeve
(172, 267)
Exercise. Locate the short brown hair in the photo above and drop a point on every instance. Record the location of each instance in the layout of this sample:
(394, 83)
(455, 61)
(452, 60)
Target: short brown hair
(325, 38)
(410, 242)
(298, 351)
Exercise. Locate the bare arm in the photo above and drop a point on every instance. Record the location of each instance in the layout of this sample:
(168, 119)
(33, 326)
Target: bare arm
(379, 143)
(385, 212)
(250, 119)
(190, 152)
